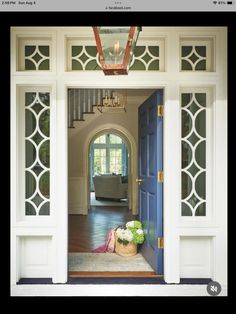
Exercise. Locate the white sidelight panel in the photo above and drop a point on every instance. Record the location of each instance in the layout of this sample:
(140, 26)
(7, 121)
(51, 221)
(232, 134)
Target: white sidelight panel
(196, 156)
(37, 154)
(35, 246)
(196, 260)
(35, 256)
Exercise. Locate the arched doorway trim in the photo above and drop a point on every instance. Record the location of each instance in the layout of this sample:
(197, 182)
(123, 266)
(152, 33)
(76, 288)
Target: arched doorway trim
(132, 149)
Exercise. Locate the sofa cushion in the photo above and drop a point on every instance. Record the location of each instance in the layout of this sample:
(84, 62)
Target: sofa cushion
(110, 186)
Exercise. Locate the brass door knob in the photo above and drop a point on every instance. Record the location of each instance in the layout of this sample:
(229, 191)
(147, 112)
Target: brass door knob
(139, 181)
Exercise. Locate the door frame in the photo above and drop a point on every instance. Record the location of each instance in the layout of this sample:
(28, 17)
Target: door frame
(171, 166)
(172, 80)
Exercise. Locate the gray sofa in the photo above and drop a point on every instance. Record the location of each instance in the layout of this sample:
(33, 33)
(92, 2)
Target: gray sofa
(110, 186)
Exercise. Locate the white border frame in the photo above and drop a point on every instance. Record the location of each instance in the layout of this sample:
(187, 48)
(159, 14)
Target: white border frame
(170, 80)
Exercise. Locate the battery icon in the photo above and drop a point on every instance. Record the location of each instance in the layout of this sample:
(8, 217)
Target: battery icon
(229, 2)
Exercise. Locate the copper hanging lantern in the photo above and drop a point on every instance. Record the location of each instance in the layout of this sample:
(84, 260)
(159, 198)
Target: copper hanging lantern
(115, 47)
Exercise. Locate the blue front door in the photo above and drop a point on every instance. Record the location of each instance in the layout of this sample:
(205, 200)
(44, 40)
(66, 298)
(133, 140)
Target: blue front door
(150, 189)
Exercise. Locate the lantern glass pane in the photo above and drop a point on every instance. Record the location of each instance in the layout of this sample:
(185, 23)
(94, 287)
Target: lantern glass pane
(114, 41)
(136, 33)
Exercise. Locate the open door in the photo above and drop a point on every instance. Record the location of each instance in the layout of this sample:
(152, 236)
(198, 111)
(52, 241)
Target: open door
(150, 179)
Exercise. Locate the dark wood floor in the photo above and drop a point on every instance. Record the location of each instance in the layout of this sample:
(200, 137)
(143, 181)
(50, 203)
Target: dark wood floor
(90, 231)
(86, 232)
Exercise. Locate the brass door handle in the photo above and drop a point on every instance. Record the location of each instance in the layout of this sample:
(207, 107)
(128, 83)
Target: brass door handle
(139, 181)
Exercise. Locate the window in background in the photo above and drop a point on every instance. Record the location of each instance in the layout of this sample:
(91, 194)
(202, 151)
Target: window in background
(108, 155)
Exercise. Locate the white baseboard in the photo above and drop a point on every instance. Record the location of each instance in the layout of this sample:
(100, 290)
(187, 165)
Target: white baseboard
(112, 290)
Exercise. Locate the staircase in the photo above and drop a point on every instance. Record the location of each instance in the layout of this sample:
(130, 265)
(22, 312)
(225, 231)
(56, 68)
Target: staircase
(82, 102)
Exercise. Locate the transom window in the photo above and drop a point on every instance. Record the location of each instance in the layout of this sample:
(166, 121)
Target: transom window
(197, 54)
(34, 54)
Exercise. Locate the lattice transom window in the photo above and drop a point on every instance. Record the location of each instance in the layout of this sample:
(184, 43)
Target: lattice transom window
(148, 57)
(84, 58)
(34, 55)
(197, 55)
(194, 147)
(37, 153)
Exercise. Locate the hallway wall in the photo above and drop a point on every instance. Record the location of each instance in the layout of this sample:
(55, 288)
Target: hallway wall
(76, 152)
(128, 120)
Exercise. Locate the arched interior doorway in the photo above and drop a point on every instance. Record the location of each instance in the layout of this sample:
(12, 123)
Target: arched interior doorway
(109, 170)
(132, 161)
(88, 231)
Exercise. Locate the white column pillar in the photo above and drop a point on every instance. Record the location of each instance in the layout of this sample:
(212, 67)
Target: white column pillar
(172, 162)
(61, 185)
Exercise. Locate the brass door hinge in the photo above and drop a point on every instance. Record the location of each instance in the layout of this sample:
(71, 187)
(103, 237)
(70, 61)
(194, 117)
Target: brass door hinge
(160, 111)
(160, 176)
(160, 243)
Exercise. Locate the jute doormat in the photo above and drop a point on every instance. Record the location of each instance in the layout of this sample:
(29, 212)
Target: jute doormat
(107, 262)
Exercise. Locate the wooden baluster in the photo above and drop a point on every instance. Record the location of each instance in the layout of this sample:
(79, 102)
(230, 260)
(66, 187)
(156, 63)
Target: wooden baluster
(81, 104)
(89, 96)
(70, 109)
(74, 105)
(94, 99)
(76, 102)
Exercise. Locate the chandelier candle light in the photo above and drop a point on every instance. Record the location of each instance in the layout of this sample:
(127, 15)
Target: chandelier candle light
(115, 47)
(113, 100)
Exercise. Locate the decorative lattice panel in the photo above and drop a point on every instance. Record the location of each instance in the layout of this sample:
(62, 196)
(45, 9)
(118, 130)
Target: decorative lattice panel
(145, 58)
(37, 153)
(85, 58)
(196, 55)
(193, 112)
(193, 58)
(37, 57)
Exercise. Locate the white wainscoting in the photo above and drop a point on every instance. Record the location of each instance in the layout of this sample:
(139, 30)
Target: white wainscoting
(196, 258)
(76, 196)
(35, 256)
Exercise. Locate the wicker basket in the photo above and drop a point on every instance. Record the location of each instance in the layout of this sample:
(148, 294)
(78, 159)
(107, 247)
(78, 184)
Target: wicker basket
(125, 250)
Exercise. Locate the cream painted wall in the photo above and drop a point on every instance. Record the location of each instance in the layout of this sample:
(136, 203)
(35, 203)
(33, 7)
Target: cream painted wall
(128, 120)
(78, 202)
